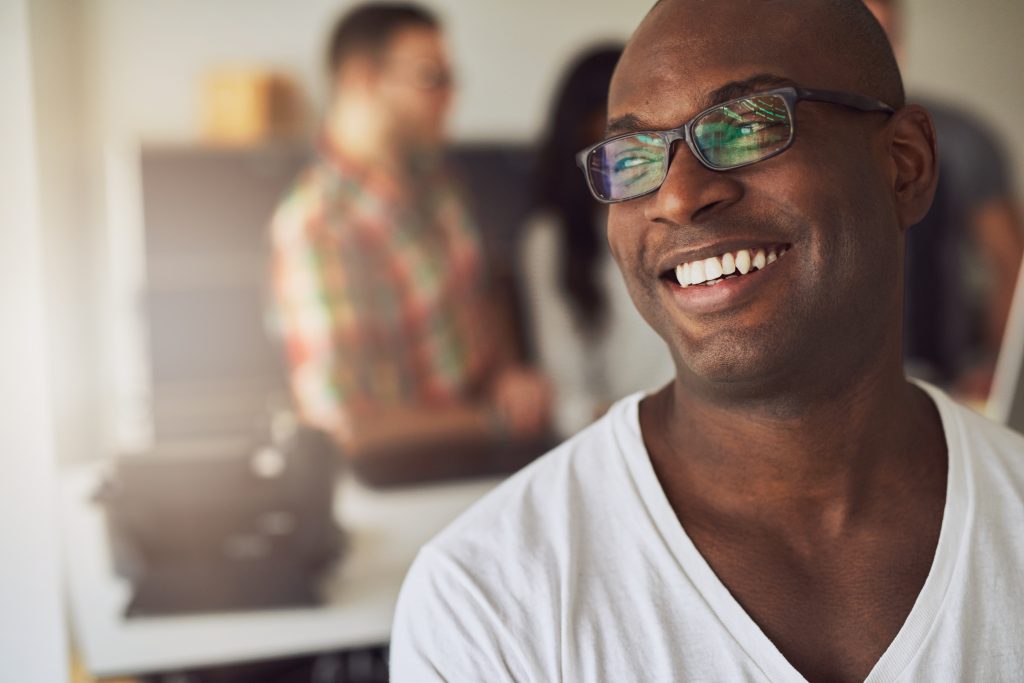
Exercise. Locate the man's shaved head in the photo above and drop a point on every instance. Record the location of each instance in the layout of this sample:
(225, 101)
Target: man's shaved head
(836, 201)
(842, 33)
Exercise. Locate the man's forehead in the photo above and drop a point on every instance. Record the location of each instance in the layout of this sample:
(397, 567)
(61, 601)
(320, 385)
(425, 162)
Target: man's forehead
(416, 41)
(665, 97)
(707, 22)
(633, 120)
(687, 50)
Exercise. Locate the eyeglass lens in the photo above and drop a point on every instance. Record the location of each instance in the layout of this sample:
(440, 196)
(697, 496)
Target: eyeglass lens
(734, 134)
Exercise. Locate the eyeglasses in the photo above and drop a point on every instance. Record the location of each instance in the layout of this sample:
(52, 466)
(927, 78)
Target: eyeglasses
(737, 133)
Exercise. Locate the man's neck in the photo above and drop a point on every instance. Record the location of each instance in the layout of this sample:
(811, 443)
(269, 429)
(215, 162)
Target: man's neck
(357, 133)
(819, 466)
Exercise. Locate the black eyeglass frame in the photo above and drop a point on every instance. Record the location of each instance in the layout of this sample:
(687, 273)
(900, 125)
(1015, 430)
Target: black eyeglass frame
(790, 95)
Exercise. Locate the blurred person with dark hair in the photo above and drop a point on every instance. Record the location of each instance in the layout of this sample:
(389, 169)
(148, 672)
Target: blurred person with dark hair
(964, 257)
(393, 344)
(590, 339)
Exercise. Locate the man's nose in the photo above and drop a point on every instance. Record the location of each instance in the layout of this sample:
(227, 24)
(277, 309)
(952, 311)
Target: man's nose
(692, 192)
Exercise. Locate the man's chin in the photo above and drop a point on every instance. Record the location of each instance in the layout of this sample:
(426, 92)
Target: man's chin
(736, 365)
(729, 375)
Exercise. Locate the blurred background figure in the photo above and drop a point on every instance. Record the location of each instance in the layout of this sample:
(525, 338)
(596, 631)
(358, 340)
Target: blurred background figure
(589, 337)
(394, 341)
(964, 257)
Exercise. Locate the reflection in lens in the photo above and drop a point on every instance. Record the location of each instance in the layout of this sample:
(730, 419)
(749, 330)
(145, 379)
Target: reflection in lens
(628, 167)
(743, 131)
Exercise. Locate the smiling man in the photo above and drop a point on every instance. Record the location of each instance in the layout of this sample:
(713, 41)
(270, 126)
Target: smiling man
(790, 508)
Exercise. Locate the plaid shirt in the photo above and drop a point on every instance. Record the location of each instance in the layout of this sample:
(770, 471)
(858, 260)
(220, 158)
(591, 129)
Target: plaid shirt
(378, 286)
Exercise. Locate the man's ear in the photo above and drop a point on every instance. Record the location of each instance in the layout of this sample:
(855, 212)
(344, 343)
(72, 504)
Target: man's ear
(915, 163)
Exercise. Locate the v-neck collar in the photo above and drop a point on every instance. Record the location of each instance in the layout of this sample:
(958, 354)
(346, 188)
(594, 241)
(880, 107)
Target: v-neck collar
(747, 634)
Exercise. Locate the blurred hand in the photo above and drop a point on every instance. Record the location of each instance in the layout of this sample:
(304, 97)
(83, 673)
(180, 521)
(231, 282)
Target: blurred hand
(522, 396)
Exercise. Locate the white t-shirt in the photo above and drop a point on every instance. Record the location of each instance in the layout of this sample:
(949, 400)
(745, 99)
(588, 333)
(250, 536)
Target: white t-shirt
(588, 370)
(577, 569)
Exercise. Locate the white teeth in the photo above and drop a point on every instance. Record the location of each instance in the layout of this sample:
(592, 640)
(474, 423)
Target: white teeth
(711, 271)
(728, 264)
(697, 273)
(683, 275)
(743, 261)
(712, 268)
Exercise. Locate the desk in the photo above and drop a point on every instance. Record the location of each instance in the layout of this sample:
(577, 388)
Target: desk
(384, 528)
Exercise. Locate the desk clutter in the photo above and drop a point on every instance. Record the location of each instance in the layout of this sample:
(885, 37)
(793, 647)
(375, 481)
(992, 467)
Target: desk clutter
(223, 524)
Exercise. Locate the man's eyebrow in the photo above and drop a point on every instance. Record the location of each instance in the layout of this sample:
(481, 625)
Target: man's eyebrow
(626, 124)
(746, 86)
(730, 91)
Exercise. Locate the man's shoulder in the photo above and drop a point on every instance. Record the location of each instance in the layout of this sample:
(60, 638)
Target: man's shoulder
(993, 451)
(541, 507)
(317, 191)
(977, 427)
(503, 569)
(996, 447)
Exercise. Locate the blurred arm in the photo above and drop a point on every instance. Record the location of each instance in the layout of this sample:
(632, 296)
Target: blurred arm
(312, 314)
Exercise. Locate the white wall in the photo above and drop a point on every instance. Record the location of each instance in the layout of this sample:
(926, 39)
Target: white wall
(32, 644)
(148, 55)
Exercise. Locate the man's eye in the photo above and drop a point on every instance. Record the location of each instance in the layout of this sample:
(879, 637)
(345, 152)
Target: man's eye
(628, 163)
(635, 159)
(747, 129)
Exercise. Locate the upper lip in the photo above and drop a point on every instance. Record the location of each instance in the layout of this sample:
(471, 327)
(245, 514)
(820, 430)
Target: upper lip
(680, 256)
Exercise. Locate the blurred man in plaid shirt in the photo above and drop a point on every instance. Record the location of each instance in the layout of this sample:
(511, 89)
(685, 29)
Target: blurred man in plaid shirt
(393, 345)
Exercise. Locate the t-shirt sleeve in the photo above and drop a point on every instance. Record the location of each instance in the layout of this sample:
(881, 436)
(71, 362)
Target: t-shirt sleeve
(448, 627)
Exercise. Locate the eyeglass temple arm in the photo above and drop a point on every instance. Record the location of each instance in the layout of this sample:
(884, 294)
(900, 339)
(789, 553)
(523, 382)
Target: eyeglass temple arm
(846, 99)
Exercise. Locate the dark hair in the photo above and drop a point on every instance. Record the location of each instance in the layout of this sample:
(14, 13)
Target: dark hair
(561, 189)
(367, 29)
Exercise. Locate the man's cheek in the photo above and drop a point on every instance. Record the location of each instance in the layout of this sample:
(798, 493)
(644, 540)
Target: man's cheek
(621, 256)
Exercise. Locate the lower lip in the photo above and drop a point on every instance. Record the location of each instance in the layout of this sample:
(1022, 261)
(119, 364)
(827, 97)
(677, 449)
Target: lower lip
(728, 293)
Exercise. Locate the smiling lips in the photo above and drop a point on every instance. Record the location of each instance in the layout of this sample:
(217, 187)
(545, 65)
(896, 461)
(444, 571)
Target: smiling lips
(711, 271)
